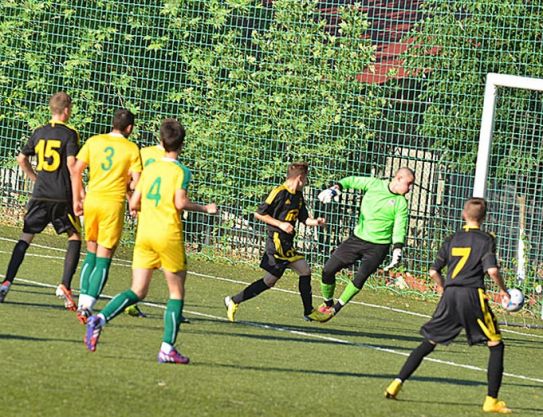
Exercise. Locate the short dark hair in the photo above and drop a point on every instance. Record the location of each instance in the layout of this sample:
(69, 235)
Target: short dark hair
(122, 119)
(59, 101)
(172, 135)
(475, 209)
(297, 168)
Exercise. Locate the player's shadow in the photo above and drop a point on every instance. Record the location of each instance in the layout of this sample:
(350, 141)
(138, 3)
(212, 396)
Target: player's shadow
(36, 305)
(35, 339)
(516, 409)
(325, 329)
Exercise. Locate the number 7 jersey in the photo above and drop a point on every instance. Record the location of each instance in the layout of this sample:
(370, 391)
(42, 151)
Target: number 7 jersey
(158, 218)
(52, 144)
(467, 254)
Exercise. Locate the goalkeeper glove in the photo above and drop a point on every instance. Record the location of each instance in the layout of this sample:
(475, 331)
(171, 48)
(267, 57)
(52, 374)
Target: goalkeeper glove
(396, 258)
(326, 196)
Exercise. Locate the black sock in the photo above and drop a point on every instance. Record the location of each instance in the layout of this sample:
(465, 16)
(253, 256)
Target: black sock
(329, 303)
(414, 360)
(71, 259)
(495, 369)
(338, 306)
(304, 285)
(251, 291)
(16, 260)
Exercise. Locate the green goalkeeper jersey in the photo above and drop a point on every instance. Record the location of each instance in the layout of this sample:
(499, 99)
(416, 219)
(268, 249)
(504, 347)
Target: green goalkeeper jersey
(383, 214)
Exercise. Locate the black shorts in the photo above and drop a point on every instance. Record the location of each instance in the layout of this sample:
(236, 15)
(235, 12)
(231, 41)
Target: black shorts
(279, 253)
(60, 214)
(462, 308)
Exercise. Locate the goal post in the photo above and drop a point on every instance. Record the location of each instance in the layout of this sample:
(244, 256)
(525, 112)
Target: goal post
(493, 81)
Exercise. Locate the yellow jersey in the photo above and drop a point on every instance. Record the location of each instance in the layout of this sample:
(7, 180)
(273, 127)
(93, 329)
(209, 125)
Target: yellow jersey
(159, 218)
(110, 158)
(151, 154)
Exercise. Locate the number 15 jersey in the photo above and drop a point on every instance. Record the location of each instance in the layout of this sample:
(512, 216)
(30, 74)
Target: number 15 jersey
(52, 144)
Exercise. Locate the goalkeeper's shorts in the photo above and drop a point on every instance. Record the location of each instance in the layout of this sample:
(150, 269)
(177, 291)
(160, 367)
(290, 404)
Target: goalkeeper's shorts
(279, 254)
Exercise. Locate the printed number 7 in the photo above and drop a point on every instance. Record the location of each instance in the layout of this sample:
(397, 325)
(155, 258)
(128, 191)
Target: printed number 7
(463, 253)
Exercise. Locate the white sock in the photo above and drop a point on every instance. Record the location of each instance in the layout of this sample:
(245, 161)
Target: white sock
(86, 301)
(102, 319)
(166, 347)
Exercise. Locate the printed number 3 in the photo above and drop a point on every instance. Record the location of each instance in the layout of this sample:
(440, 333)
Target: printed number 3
(109, 158)
(463, 253)
(154, 191)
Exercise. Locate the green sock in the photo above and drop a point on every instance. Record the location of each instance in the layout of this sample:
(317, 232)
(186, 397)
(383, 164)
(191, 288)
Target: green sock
(86, 269)
(99, 276)
(349, 292)
(172, 320)
(117, 305)
(327, 290)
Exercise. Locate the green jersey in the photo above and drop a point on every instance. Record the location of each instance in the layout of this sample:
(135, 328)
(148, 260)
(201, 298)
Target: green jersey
(383, 214)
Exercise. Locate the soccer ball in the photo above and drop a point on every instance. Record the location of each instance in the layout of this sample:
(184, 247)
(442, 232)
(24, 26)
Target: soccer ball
(516, 302)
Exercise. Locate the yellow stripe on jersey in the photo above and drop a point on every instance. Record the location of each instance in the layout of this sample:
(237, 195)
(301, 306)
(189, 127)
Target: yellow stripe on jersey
(276, 191)
(111, 158)
(489, 325)
(151, 154)
(158, 218)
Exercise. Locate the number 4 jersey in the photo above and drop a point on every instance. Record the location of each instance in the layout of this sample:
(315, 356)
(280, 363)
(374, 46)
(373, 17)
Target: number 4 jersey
(158, 218)
(52, 144)
(110, 158)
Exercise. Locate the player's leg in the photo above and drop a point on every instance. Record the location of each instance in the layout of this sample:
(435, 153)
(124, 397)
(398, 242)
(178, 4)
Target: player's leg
(172, 318)
(64, 221)
(344, 256)
(443, 327)
(481, 325)
(304, 284)
(141, 278)
(17, 257)
(372, 256)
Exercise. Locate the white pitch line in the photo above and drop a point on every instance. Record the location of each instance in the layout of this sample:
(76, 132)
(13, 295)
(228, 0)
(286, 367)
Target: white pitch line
(314, 336)
(125, 262)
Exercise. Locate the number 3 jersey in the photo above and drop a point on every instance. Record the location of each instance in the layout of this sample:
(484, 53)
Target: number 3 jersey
(110, 158)
(468, 254)
(158, 217)
(52, 144)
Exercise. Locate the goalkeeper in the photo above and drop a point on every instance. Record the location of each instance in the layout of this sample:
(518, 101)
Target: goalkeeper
(382, 221)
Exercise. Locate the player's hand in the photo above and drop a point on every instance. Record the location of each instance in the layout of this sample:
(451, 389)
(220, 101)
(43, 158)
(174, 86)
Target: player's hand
(505, 297)
(211, 208)
(396, 258)
(286, 227)
(321, 221)
(326, 196)
(78, 208)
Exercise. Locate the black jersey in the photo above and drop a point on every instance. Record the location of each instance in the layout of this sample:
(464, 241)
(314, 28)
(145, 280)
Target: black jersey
(285, 205)
(52, 144)
(468, 254)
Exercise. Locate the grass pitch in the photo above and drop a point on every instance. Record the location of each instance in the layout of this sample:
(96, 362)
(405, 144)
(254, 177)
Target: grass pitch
(270, 363)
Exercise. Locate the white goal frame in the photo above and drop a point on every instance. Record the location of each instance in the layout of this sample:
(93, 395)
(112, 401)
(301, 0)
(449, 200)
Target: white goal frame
(493, 81)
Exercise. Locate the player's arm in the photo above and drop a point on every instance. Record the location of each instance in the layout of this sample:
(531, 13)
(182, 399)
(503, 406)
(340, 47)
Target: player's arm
(132, 182)
(266, 218)
(319, 221)
(494, 274)
(309, 220)
(135, 202)
(78, 190)
(182, 202)
(399, 231)
(24, 163)
(439, 264)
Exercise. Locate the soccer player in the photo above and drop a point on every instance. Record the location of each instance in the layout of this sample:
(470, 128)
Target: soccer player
(468, 255)
(55, 146)
(161, 195)
(113, 162)
(382, 221)
(282, 208)
(151, 154)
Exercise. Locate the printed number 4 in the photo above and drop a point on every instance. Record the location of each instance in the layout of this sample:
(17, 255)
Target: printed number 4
(154, 191)
(463, 253)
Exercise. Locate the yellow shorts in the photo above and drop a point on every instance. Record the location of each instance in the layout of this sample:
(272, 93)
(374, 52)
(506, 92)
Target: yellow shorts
(103, 221)
(156, 252)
